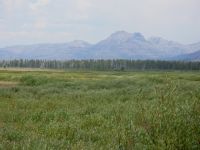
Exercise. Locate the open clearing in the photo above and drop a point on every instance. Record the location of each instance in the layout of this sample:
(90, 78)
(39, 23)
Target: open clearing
(4, 84)
(99, 110)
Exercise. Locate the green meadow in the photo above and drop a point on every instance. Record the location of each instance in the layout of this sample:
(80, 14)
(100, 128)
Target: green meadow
(79, 110)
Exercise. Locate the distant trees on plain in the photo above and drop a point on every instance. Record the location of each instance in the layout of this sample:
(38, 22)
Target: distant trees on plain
(102, 65)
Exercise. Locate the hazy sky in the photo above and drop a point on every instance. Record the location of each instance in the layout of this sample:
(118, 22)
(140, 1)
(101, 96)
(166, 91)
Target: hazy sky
(37, 21)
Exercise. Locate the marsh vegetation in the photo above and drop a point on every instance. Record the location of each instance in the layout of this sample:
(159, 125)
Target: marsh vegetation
(99, 110)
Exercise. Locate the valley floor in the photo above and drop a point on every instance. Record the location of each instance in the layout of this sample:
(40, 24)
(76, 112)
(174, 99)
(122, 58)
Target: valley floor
(99, 110)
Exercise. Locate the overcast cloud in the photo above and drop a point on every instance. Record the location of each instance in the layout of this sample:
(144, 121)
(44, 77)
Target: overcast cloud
(38, 21)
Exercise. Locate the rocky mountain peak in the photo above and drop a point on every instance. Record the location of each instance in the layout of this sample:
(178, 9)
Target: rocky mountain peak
(78, 43)
(120, 35)
(138, 36)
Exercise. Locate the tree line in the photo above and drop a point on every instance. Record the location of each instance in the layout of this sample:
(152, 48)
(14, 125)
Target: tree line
(104, 65)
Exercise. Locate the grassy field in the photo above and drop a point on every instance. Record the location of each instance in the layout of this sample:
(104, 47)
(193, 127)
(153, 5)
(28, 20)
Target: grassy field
(99, 110)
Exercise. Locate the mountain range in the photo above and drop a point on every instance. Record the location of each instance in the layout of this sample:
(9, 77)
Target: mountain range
(119, 45)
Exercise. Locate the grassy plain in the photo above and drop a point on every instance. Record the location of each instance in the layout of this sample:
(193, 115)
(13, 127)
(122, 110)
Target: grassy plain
(99, 110)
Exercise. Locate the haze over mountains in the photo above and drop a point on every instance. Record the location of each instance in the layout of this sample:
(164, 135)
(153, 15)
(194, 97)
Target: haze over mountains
(119, 45)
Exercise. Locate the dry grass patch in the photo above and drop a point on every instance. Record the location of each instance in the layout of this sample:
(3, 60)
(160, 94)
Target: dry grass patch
(5, 84)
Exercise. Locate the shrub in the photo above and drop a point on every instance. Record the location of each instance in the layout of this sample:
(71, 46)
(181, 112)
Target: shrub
(31, 80)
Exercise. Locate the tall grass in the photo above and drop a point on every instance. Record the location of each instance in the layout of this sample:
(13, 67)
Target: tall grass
(100, 110)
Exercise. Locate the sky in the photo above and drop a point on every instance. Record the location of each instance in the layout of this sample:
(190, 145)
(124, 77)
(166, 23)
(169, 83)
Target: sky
(53, 21)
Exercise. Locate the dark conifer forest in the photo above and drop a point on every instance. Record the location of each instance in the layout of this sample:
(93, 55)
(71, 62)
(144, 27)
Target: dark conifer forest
(102, 65)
